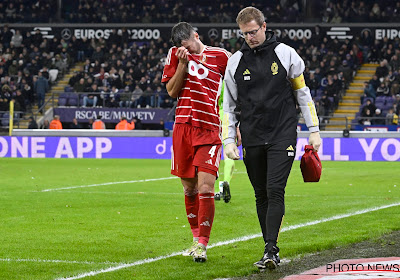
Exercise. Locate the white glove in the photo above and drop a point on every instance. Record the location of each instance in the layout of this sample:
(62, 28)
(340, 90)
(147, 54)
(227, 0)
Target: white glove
(315, 140)
(231, 151)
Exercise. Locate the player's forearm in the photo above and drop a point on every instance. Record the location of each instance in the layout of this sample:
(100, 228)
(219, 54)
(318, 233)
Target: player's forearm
(174, 86)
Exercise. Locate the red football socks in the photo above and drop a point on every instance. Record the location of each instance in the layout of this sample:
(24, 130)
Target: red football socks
(206, 216)
(192, 211)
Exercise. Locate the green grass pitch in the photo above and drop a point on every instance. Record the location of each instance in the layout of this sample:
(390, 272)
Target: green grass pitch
(88, 222)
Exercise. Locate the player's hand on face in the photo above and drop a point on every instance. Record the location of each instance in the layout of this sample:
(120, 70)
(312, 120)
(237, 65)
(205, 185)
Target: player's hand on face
(182, 54)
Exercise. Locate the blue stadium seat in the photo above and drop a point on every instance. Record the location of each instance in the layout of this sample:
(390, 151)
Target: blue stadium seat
(73, 99)
(68, 89)
(63, 99)
(5, 119)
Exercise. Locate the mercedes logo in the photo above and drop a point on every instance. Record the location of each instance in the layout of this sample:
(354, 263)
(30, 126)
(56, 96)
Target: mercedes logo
(66, 34)
(213, 33)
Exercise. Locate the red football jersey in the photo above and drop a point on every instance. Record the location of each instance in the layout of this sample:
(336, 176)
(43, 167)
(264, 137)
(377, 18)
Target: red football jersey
(198, 99)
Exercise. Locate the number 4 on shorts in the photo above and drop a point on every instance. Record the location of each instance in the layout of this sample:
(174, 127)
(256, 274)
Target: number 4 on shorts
(212, 151)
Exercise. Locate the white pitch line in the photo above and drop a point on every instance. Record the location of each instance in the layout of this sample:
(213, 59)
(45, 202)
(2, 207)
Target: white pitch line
(126, 193)
(122, 182)
(227, 242)
(56, 261)
(109, 183)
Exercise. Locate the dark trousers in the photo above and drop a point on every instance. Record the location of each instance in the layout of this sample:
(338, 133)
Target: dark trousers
(268, 168)
(41, 99)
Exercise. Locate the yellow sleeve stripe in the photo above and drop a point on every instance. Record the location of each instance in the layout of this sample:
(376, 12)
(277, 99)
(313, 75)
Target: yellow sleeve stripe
(298, 83)
(225, 125)
(313, 113)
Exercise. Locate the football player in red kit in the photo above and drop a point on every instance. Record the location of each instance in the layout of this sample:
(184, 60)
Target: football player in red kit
(193, 74)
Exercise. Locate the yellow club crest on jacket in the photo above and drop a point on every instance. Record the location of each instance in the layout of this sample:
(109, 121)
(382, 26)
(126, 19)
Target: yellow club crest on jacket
(274, 68)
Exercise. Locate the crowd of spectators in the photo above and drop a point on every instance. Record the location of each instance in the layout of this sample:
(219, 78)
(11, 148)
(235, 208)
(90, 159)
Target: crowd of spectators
(121, 72)
(206, 11)
(25, 63)
(361, 11)
(26, 11)
(380, 102)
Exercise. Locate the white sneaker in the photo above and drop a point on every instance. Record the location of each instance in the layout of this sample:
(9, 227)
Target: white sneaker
(200, 253)
(189, 252)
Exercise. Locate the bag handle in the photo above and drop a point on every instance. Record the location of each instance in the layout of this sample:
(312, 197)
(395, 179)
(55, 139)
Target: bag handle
(310, 149)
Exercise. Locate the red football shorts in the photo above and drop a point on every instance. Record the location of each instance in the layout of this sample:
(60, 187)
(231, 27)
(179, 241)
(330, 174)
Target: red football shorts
(195, 149)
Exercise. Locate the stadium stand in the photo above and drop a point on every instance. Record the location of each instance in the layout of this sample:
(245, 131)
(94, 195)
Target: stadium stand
(216, 11)
(336, 70)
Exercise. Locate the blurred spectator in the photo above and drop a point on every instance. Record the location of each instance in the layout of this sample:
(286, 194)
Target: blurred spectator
(160, 125)
(112, 98)
(55, 123)
(125, 125)
(16, 39)
(6, 36)
(20, 99)
(27, 91)
(91, 98)
(80, 85)
(382, 70)
(370, 106)
(75, 124)
(76, 76)
(382, 90)
(6, 92)
(60, 64)
(145, 101)
(396, 105)
(394, 63)
(98, 54)
(136, 95)
(90, 123)
(394, 82)
(369, 92)
(138, 123)
(4, 107)
(159, 96)
(347, 72)
(45, 125)
(41, 87)
(326, 104)
(392, 118)
(375, 83)
(13, 68)
(32, 123)
(126, 100)
(378, 118)
(98, 123)
(332, 90)
(366, 116)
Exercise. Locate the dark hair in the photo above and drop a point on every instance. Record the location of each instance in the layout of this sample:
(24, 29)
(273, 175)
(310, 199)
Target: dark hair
(181, 31)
